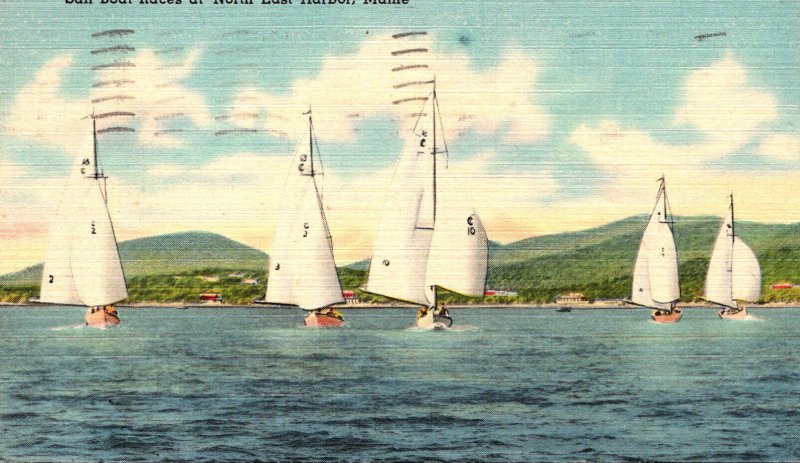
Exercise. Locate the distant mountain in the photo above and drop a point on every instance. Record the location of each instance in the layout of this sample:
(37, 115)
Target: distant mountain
(168, 254)
(597, 262)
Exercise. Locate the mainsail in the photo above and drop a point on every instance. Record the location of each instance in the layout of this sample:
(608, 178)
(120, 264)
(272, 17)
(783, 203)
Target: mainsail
(82, 264)
(302, 269)
(655, 275)
(733, 271)
(414, 249)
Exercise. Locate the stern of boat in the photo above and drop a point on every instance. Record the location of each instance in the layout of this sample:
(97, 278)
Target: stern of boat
(666, 316)
(102, 317)
(738, 314)
(317, 319)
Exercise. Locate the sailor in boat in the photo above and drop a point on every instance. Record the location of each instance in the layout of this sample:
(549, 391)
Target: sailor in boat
(422, 311)
(332, 313)
(442, 311)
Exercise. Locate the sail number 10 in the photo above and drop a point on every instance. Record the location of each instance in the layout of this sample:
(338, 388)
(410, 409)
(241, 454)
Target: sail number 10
(470, 228)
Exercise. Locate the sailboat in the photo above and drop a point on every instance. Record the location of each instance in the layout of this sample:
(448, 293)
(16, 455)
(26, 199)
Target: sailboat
(82, 265)
(655, 275)
(733, 272)
(419, 245)
(302, 270)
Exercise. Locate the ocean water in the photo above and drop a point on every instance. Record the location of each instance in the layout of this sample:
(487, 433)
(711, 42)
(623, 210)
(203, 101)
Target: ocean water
(507, 385)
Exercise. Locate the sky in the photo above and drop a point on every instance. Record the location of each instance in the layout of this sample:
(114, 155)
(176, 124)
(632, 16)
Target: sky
(558, 115)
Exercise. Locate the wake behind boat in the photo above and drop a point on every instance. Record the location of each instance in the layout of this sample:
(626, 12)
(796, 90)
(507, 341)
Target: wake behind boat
(733, 272)
(302, 268)
(420, 247)
(655, 275)
(82, 265)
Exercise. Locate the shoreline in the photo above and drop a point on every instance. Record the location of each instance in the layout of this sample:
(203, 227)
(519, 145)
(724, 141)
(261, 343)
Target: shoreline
(365, 306)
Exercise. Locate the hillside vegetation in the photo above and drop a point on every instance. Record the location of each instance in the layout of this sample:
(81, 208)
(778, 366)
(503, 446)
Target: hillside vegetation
(597, 262)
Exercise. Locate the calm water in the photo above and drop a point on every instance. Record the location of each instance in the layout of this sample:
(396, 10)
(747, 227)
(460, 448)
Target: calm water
(514, 385)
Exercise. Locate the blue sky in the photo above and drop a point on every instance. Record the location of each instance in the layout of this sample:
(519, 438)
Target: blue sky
(561, 112)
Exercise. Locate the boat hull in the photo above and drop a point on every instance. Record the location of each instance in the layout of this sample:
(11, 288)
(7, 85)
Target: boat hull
(434, 321)
(320, 320)
(101, 317)
(662, 316)
(727, 314)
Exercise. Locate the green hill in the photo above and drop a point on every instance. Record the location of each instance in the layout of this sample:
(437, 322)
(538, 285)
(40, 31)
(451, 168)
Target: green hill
(597, 262)
(167, 268)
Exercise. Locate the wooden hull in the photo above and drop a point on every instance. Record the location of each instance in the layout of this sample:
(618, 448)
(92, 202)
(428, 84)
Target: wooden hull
(319, 320)
(101, 317)
(739, 314)
(662, 316)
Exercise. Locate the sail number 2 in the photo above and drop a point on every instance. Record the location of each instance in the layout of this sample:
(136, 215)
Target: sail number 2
(94, 230)
(470, 228)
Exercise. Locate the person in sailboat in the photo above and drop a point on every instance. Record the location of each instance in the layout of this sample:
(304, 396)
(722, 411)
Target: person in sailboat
(422, 312)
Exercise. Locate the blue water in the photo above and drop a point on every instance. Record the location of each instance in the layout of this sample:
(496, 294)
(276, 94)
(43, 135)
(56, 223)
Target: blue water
(511, 385)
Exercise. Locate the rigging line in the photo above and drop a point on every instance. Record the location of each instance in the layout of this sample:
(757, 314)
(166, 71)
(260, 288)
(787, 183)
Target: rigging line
(444, 139)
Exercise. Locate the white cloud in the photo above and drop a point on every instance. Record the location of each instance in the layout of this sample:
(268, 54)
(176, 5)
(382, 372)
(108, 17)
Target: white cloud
(40, 113)
(781, 146)
(363, 84)
(721, 103)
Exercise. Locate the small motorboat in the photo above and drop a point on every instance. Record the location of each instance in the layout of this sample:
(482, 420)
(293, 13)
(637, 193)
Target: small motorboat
(666, 316)
(564, 309)
(323, 318)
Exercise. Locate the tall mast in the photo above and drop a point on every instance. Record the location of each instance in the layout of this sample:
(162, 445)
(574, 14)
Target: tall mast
(433, 108)
(733, 221)
(94, 137)
(310, 142)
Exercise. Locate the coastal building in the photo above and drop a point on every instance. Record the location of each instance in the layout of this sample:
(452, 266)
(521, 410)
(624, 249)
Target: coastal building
(210, 279)
(571, 298)
(350, 297)
(499, 292)
(250, 281)
(210, 297)
(782, 286)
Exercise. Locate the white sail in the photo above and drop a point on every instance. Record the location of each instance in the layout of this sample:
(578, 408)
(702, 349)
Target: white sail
(655, 275)
(733, 271)
(96, 266)
(58, 284)
(746, 279)
(399, 261)
(719, 279)
(302, 268)
(459, 253)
